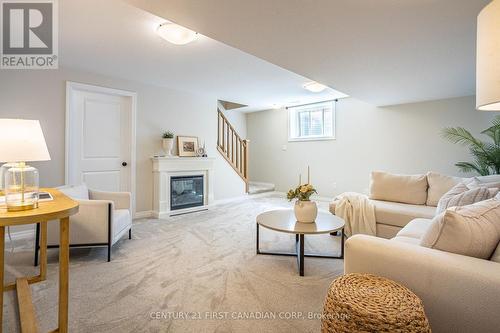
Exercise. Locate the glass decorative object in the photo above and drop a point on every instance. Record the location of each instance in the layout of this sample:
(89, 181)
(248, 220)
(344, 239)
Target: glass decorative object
(3, 170)
(21, 141)
(21, 187)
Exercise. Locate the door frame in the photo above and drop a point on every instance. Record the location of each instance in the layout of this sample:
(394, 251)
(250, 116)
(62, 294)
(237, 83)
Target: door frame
(71, 87)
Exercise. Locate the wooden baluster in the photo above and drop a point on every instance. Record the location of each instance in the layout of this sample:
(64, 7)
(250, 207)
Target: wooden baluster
(241, 156)
(222, 136)
(237, 154)
(232, 146)
(231, 143)
(246, 159)
(246, 165)
(227, 138)
(218, 128)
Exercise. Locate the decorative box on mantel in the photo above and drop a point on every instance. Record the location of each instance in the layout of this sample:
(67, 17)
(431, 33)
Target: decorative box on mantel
(182, 185)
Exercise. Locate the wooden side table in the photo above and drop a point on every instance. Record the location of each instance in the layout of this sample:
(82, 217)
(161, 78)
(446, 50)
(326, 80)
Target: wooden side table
(61, 208)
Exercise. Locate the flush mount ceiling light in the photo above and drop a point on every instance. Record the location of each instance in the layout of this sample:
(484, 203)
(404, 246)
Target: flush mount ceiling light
(176, 34)
(314, 87)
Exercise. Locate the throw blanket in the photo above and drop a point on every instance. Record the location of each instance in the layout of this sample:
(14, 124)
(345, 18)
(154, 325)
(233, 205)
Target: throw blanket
(358, 213)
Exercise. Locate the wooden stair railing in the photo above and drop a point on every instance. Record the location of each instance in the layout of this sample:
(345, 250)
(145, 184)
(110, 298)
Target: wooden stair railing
(232, 147)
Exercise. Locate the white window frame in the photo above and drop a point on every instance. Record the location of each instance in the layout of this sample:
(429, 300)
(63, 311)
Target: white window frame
(295, 110)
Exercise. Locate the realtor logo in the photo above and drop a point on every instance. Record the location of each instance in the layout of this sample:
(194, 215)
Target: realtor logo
(29, 34)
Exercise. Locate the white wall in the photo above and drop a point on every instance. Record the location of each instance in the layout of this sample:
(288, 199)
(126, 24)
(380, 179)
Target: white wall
(237, 119)
(401, 139)
(32, 94)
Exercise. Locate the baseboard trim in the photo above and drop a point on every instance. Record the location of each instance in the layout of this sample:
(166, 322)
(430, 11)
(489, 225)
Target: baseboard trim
(243, 197)
(144, 214)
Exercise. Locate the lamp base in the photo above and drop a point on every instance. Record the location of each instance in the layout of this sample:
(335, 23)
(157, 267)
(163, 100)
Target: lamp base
(21, 187)
(20, 207)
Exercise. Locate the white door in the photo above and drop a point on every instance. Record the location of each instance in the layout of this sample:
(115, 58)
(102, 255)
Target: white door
(100, 138)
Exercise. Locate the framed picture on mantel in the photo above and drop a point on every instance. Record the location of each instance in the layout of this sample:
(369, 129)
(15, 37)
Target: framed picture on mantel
(187, 146)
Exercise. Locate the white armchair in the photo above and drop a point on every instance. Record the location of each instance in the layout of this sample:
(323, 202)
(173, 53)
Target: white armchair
(103, 218)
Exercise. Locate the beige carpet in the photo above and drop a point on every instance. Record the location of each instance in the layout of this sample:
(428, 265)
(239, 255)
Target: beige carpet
(191, 273)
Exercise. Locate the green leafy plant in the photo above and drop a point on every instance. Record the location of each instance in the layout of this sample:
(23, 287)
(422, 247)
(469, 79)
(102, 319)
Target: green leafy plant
(301, 192)
(167, 135)
(486, 155)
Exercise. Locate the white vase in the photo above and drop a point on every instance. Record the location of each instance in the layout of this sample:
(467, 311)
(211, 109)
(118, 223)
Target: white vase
(167, 145)
(305, 211)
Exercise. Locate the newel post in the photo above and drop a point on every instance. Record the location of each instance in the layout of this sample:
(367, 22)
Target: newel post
(246, 143)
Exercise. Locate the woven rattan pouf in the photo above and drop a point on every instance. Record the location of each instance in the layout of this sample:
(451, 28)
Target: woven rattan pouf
(369, 303)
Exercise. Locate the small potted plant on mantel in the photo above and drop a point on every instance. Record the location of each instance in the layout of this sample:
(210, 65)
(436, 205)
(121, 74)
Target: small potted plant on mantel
(168, 142)
(305, 210)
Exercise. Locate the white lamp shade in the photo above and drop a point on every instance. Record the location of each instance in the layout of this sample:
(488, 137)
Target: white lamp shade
(176, 34)
(22, 141)
(488, 58)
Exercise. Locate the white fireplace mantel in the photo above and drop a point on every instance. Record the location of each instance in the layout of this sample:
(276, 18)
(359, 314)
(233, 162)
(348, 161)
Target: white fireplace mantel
(166, 167)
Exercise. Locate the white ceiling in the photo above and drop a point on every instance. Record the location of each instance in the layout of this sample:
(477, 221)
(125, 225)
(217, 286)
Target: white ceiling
(383, 52)
(114, 38)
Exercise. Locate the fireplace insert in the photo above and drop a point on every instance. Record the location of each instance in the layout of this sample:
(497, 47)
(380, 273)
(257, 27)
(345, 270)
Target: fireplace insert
(186, 192)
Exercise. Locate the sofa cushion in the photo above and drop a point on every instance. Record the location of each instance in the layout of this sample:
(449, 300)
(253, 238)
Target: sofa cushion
(332, 206)
(415, 229)
(76, 192)
(405, 239)
(121, 220)
(438, 185)
(410, 189)
(461, 195)
(496, 255)
(387, 231)
(399, 214)
(472, 230)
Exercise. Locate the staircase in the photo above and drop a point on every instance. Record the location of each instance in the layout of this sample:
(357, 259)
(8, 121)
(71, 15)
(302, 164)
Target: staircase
(232, 147)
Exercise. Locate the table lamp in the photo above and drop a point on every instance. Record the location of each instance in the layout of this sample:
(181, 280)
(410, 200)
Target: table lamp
(21, 141)
(488, 58)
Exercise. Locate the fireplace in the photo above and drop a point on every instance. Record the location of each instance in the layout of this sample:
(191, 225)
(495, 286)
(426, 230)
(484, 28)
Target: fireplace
(182, 185)
(186, 192)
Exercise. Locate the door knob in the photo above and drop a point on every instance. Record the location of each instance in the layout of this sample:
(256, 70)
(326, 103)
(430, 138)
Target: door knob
(124, 163)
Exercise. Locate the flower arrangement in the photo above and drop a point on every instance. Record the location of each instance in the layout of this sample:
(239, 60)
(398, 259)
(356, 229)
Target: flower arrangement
(167, 135)
(301, 192)
(305, 210)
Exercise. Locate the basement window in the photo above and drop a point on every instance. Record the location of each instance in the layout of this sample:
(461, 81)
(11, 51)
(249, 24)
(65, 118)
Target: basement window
(312, 122)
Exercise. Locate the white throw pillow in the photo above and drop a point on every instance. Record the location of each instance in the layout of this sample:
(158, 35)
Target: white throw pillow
(477, 183)
(438, 185)
(488, 179)
(462, 195)
(410, 189)
(472, 230)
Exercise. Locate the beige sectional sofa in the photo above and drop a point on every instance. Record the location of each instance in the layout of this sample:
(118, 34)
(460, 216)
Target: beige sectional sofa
(398, 199)
(460, 293)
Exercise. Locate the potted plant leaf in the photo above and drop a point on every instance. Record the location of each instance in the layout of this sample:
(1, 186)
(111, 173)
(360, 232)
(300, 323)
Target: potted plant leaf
(168, 142)
(486, 155)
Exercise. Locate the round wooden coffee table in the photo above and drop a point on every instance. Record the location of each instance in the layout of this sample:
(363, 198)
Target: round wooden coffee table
(283, 220)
